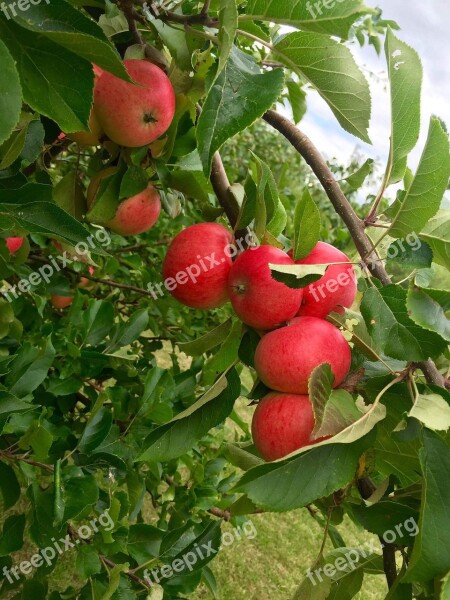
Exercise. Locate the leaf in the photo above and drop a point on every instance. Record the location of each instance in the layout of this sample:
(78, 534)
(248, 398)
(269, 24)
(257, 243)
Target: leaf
(297, 276)
(228, 24)
(9, 486)
(144, 542)
(354, 323)
(208, 341)
(98, 320)
(240, 95)
(268, 201)
(30, 368)
(332, 70)
(290, 484)
(55, 82)
(436, 234)
(307, 226)
(357, 179)
(177, 437)
(96, 431)
(11, 539)
(333, 18)
(428, 308)
(445, 591)
(432, 410)
(72, 29)
(430, 557)
(10, 94)
(134, 182)
(297, 100)
(409, 256)
(129, 331)
(405, 75)
(87, 562)
(392, 330)
(68, 194)
(423, 198)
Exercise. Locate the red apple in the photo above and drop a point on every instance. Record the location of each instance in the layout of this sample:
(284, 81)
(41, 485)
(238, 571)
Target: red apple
(257, 298)
(282, 423)
(135, 115)
(197, 265)
(14, 244)
(335, 290)
(61, 301)
(286, 357)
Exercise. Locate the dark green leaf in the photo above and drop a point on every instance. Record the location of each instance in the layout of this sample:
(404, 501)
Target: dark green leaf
(307, 225)
(10, 94)
(96, 431)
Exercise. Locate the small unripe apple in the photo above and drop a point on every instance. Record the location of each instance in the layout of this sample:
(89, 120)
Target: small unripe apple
(282, 423)
(335, 290)
(61, 301)
(286, 357)
(14, 244)
(258, 299)
(197, 265)
(135, 115)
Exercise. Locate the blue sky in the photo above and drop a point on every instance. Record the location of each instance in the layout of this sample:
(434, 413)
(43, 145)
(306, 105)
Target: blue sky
(424, 25)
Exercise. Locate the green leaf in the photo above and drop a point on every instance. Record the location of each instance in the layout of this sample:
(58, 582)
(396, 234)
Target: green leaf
(297, 276)
(428, 308)
(10, 94)
(129, 331)
(445, 591)
(72, 29)
(226, 356)
(68, 194)
(239, 96)
(423, 198)
(144, 542)
(405, 75)
(134, 182)
(9, 486)
(55, 82)
(30, 368)
(332, 70)
(436, 234)
(333, 18)
(270, 214)
(228, 24)
(208, 341)
(187, 428)
(409, 256)
(297, 100)
(357, 179)
(98, 320)
(294, 483)
(392, 330)
(87, 562)
(430, 557)
(96, 431)
(307, 226)
(432, 410)
(11, 539)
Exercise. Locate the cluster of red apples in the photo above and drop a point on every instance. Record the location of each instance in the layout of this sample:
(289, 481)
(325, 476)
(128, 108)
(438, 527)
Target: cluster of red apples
(295, 337)
(132, 116)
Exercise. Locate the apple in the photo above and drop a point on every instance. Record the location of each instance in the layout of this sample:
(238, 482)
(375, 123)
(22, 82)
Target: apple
(282, 423)
(335, 290)
(135, 115)
(197, 265)
(14, 244)
(134, 215)
(258, 299)
(61, 301)
(86, 283)
(286, 357)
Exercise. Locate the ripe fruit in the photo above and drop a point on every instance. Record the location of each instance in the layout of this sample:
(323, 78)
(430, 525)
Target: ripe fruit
(61, 301)
(14, 244)
(336, 289)
(135, 115)
(286, 357)
(257, 298)
(197, 264)
(134, 215)
(282, 423)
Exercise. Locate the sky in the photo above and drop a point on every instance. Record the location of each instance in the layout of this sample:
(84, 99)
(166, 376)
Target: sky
(424, 26)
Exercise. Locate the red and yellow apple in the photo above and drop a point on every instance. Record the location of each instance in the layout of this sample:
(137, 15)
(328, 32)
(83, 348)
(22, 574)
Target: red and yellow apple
(197, 265)
(282, 423)
(286, 357)
(61, 301)
(135, 115)
(258, 299)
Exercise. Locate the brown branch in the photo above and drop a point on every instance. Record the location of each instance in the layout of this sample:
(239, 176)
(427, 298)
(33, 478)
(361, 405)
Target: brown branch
(219, 512)
(170, 17)
(221, 186)
(22, 458)
(342, 206)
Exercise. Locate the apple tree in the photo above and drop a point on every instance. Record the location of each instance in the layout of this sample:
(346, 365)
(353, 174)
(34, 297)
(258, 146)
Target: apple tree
(126, 125)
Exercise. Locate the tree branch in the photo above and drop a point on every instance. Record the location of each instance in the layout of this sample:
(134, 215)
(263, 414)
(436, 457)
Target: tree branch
(221, 186)
(342, 206)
